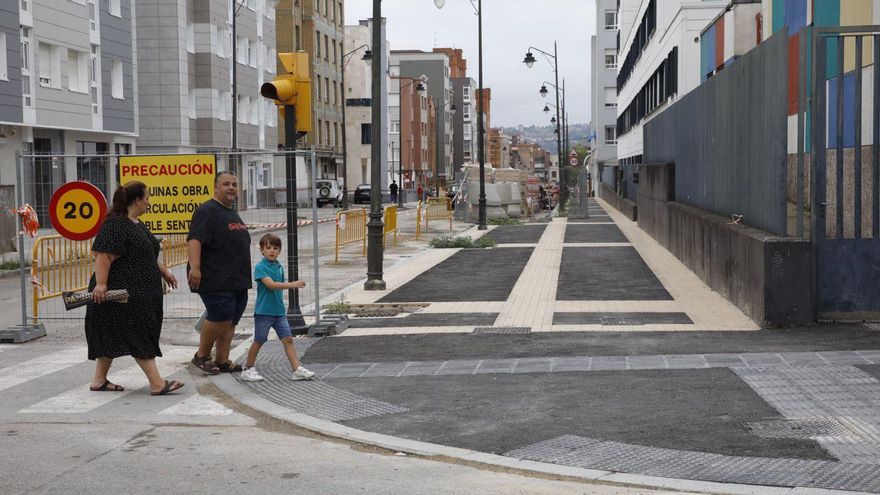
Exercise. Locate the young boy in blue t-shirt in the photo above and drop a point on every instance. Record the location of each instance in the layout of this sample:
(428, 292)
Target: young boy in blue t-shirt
(270, 312)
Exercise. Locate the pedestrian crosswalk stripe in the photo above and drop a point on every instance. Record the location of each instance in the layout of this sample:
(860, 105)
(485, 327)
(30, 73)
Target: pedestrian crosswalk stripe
(40, 367)
(197, 405)
(81, 400)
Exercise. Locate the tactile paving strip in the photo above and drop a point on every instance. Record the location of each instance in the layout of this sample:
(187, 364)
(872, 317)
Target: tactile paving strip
(312, 397)
(842, 393)
(502, 330)
(573, 450)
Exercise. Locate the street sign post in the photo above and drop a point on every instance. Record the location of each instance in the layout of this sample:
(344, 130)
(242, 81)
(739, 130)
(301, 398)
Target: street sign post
(77, 210)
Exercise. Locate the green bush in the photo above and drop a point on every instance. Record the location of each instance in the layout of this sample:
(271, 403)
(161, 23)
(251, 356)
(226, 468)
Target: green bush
(12, 264)
(338, 307)
(503, 221)
(451, 241)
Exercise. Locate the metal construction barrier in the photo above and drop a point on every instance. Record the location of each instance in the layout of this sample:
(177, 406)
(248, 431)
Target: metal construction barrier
(351, 226)
(59, 264)
(390, 222)
(438, 209)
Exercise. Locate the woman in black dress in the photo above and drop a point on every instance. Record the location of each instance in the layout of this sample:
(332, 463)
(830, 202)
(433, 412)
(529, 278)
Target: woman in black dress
(126, 257)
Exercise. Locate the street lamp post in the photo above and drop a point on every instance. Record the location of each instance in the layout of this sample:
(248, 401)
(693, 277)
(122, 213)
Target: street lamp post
(375, 225)
(529, 60)
(344, 140)
(480, 130)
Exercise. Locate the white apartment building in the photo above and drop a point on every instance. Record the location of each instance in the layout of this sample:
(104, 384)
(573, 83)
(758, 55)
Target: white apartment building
(603, 77)
(658, 62)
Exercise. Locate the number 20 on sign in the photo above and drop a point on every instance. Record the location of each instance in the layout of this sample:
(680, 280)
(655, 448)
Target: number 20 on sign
(77, 210)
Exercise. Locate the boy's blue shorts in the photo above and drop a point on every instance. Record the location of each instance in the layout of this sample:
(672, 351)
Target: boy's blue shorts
(262, 324)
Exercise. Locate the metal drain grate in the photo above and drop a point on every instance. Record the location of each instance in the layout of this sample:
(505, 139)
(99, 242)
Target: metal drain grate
(805, 428)
(503, 330)
(387, 314)
(610, 320)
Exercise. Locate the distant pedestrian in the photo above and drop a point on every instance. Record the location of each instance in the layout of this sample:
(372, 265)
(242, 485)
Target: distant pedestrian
(420, 191)
(270, 312)
(393, 188)
(127, 257)
(219, 271)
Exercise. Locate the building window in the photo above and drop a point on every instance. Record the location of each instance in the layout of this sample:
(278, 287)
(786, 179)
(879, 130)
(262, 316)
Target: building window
(466, 112)
(318, 44)
(77, 71)
(610, 58)
(190, 38)
(319, 139)
(116, 8)
(610, 134)
(335, 134)
(366, 134)
(327, 132)
(242, 111)
(241, 55)
(266, 175)
(92, 168)
(611, 97)
(93, 15)
(395, 128)
(297, 38)
(116, 80)
(327, 90)
(610, 20)
(4, 69)
(123, 148)
(192, 103)
(318, 79)
(26, 73)
(326, 47)
(49, 65)
(93, 77)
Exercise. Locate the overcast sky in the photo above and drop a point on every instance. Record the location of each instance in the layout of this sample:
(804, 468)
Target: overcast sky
(509, 28)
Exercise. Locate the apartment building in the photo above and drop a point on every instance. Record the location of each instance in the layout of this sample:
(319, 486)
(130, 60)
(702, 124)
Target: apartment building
(434, 69)
(464, 122)
(603, 77)
(499, 149)
(68, 74)
(658, 62)
(323, 34)
(189, 103)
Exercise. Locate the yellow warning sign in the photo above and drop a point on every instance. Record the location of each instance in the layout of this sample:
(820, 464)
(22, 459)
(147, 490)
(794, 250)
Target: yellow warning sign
(178, 184)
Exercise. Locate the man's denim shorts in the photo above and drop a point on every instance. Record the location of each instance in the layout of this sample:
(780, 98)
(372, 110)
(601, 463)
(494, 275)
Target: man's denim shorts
(262, 324)
(225, 306)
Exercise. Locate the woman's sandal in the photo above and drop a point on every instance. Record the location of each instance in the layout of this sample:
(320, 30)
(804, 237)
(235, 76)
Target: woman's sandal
(230, 367)
(108, 387)
(205, 364)
(169, 387)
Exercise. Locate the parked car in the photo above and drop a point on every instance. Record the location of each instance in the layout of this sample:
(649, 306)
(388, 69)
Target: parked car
(362, 194)
(327, 191)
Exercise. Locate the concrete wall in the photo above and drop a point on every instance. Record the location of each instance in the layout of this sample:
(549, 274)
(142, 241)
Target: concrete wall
(769, 278)
(629, 208)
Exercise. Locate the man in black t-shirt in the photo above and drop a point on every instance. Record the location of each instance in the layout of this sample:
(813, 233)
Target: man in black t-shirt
(219, 271)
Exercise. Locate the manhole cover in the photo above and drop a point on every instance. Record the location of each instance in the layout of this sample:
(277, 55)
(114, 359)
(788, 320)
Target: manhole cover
(376, 315)
(799, 428)
(487, 330)
(610, 320)
(873, 326)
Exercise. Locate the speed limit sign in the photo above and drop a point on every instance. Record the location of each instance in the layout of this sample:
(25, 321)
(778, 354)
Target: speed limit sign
(77, 210)
(573, 162)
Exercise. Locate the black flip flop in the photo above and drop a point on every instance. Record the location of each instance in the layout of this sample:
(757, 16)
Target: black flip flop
(169, 387)
(105, 387)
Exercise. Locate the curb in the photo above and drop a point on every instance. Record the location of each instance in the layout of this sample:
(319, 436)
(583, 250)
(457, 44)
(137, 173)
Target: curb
(243, 395)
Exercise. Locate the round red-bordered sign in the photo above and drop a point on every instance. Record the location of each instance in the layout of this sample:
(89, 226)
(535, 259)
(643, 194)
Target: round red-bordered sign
(77, 210)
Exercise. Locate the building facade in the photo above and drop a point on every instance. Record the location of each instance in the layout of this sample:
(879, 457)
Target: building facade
(68, 73)
(603, 77)
(434, 70)
(188, 102)
(499, 147)
(464, 122)
(658, 62)
(323, 34)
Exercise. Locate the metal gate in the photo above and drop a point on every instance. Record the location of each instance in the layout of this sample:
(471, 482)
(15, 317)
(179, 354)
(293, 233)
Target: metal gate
(846, 169)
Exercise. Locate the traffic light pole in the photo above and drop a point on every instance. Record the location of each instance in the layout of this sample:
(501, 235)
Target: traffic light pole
(294, 313)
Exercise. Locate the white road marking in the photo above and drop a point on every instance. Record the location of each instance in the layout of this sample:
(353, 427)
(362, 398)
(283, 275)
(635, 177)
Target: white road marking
(40, 367)
(197, 405)
(81, 400)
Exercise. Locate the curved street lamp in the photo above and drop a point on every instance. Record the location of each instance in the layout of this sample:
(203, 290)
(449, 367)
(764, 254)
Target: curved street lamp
(481, 144)
(543, 91)
(553, 59)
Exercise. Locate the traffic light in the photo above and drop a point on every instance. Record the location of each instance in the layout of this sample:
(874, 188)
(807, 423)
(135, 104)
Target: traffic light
(293, 88)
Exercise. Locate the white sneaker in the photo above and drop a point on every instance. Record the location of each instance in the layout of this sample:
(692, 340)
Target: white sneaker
(251, 375)
(302, 374)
